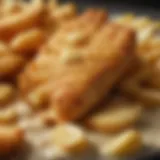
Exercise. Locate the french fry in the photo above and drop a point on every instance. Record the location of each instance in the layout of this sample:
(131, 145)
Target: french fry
(8, 116)
(9, 62)
(10, 138)
(51, 5)
(69, 138)
(124, 144)
(146, 28)
(148, 51)
(126, 18)
(132, 86)
(28, 42)
(114, 118)
(6, 93)
(18, 22)
(65, 11)
(14, 65)
(9, 7)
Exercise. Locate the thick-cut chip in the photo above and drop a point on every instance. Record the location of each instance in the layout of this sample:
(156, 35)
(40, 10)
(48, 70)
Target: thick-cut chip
(80, 64)
(57, 14)
(143, 84)
(10, 63)
(64, 12)
(15, 23)
(8, 7)
(115, 118)
(10, 138)
(69, 137)
(8, 116)
(28, 42)
(135, 86)
(6, 93)
(147, 30)
(26, 26)
(124, 144)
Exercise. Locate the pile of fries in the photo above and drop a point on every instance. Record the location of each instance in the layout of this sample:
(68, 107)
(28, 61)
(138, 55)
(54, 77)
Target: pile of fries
(143, 83)
(25, 28)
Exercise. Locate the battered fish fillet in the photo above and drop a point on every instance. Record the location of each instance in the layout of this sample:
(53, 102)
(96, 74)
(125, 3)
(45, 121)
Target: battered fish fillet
(75, 35)
(79, 65)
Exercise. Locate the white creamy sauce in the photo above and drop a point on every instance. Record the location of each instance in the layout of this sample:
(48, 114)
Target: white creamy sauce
(38, 136)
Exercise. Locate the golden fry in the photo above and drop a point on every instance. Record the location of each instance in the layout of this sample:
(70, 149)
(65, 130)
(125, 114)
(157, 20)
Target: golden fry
(10, 138)
(18, 22)
(28, 42)
(6, 93)
(133, 87)
(115, 118)
(8, 116)
(10, 63)
(69, 137)
(124, 144)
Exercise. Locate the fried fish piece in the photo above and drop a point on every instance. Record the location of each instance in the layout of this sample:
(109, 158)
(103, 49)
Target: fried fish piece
(72, 36)
(74, 74)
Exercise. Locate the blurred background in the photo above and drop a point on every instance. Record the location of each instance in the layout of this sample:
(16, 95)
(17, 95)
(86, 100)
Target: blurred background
(140, 7)
(148, 3)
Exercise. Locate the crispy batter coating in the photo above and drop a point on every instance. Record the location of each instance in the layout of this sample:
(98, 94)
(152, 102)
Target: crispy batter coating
(79, 65)
(61, 40)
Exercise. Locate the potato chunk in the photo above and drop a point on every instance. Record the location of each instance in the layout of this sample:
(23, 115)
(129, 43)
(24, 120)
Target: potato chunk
(115, 118)
(124, 144)
(8, 116)
(10, 138)
(6, 93)
(28, 41)
(69, 138)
